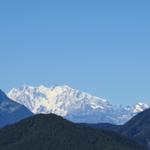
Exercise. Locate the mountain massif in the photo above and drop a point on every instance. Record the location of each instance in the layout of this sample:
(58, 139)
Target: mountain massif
(51, 132)
(73, 105)
(11, 111)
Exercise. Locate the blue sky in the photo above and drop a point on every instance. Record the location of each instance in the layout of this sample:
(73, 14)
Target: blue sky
(101, 47)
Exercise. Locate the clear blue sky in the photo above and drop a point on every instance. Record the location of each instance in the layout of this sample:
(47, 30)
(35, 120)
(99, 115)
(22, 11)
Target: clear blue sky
(98, 46)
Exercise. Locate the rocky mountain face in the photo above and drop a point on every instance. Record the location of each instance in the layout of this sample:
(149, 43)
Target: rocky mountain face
(73, 105)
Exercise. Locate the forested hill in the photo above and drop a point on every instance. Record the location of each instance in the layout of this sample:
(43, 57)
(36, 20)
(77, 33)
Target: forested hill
(50, 132)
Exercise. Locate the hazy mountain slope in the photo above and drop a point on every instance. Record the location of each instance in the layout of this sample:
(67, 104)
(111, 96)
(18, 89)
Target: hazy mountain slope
(72, 104)
(50, 132)
(11, 111)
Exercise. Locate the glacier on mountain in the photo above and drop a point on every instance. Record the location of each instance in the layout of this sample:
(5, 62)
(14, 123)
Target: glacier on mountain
(73, 105)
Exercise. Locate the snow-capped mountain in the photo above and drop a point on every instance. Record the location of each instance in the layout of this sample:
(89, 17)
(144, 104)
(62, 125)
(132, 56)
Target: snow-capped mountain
(139, 107)
(11, 111)
(72, 104)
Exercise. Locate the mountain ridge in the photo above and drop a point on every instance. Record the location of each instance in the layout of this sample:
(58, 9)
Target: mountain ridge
(138, 128)
(73, 104)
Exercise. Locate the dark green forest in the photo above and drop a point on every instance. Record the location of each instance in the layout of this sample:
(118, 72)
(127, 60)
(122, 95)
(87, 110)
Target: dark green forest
(50, 132)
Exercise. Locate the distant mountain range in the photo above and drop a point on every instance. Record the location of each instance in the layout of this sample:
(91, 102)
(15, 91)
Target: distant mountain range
(51, 132)
(10, 111)
(73, 105)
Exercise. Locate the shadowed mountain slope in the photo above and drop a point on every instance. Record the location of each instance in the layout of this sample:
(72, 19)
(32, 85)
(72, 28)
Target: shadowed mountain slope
(50, 132)
(11, 111)
(138, 128)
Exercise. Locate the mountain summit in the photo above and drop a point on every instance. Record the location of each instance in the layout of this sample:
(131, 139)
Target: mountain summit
(72, 104)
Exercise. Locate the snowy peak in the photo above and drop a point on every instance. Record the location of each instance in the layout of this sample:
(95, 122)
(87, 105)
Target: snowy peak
(73, 104)
(139, 107)
(56, 99)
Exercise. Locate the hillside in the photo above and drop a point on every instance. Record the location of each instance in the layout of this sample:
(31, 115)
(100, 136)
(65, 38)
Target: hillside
(50, 132)
(138, 128)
